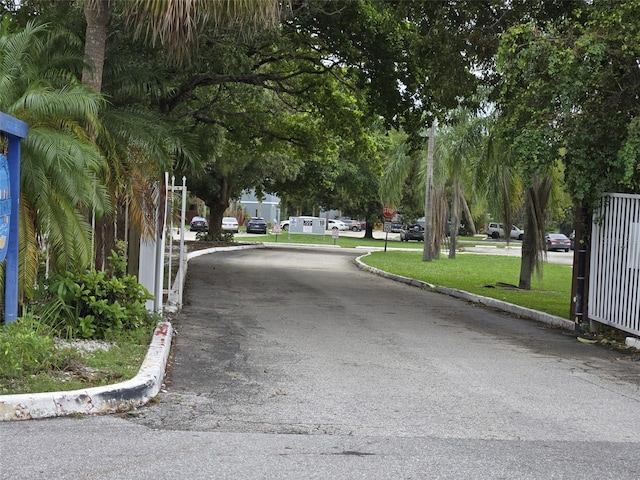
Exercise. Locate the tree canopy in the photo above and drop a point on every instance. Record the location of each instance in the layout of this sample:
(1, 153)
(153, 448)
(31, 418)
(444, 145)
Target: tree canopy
(569, 92)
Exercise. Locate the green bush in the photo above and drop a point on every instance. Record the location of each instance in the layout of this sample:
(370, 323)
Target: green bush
(27, 348)
(226, 237)
(97, 305)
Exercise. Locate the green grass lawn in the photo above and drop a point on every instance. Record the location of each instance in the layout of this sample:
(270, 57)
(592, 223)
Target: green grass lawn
(65, 368)
(484, 275)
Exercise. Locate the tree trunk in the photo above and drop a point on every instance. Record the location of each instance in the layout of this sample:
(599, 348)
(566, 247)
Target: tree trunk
(533, 243)
(427, 253)
(368, 231)
(527, 263)
(455, 221)
(105, 241)
(507, 213)
(97, 14)
(468, 216)
(217, 204)
(216, 212)
(440, 215)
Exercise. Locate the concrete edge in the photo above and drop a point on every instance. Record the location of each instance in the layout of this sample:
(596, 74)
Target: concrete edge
(632, 342)
(470, 297)
(204, 251)
(106, 399)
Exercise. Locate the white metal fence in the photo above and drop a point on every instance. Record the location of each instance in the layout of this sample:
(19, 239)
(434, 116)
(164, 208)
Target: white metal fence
(614, 279)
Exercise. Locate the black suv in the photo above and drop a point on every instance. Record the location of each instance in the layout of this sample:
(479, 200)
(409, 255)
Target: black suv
(256, 225)
(415, 231)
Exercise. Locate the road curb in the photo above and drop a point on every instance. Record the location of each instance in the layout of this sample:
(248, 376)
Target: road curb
(473, 298)
(107, 399)
(114, 398)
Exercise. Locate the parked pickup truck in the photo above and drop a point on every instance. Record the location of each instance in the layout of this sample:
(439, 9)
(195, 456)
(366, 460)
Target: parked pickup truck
(495, 230)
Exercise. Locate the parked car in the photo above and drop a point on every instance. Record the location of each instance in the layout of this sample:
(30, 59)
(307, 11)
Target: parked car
(462, 230)
(354, 225)
(256, 225)
(495, 230)
(396, 227)
(572, 237)
(415, 231)
(229, 224)
(557, 241)
(284, 225)
(199, 224)
(333, 224)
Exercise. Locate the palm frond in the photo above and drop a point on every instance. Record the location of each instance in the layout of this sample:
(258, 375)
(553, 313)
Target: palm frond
(59, 164)
(176, 23)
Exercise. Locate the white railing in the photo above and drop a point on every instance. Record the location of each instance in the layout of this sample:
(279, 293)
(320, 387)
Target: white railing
(614, 279)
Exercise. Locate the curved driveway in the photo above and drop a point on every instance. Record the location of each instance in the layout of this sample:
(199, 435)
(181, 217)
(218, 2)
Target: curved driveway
(279, 341)
(294, 364)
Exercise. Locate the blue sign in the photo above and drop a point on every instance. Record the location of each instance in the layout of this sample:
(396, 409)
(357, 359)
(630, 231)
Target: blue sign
(5, 207)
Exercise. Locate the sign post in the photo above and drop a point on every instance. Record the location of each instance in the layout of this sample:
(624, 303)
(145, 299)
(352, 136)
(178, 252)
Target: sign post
(15, 130)
(388, 211)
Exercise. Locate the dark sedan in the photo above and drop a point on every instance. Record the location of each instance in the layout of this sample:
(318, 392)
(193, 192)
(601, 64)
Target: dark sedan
(256, 225)
(414, 231)
(557, 241)
(199, 224)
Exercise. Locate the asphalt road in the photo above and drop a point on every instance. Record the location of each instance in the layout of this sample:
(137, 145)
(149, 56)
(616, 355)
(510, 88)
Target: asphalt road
(294, 364)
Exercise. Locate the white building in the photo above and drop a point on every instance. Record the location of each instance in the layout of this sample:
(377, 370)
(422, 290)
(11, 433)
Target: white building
(267, 208)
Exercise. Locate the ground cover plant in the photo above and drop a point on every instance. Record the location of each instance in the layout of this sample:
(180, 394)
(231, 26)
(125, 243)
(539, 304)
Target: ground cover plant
(33, 359)
(89, 329)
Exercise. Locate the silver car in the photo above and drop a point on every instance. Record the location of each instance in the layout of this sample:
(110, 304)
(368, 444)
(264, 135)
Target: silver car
(229, 224)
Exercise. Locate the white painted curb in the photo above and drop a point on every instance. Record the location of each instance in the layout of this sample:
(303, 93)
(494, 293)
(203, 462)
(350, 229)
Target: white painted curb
(107, 399)
(633, 342)
(470, 297)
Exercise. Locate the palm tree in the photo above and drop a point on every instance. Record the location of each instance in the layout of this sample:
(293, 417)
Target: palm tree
(459, 146)
(399, 165)
(533, 245)
(60, 163)
(497, 178)
(174, 23)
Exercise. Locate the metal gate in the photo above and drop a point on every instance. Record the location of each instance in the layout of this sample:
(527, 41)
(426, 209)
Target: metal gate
(614, 279)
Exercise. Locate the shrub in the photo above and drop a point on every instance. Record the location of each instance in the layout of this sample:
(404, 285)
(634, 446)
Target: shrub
(97, 305)
(226, 237)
